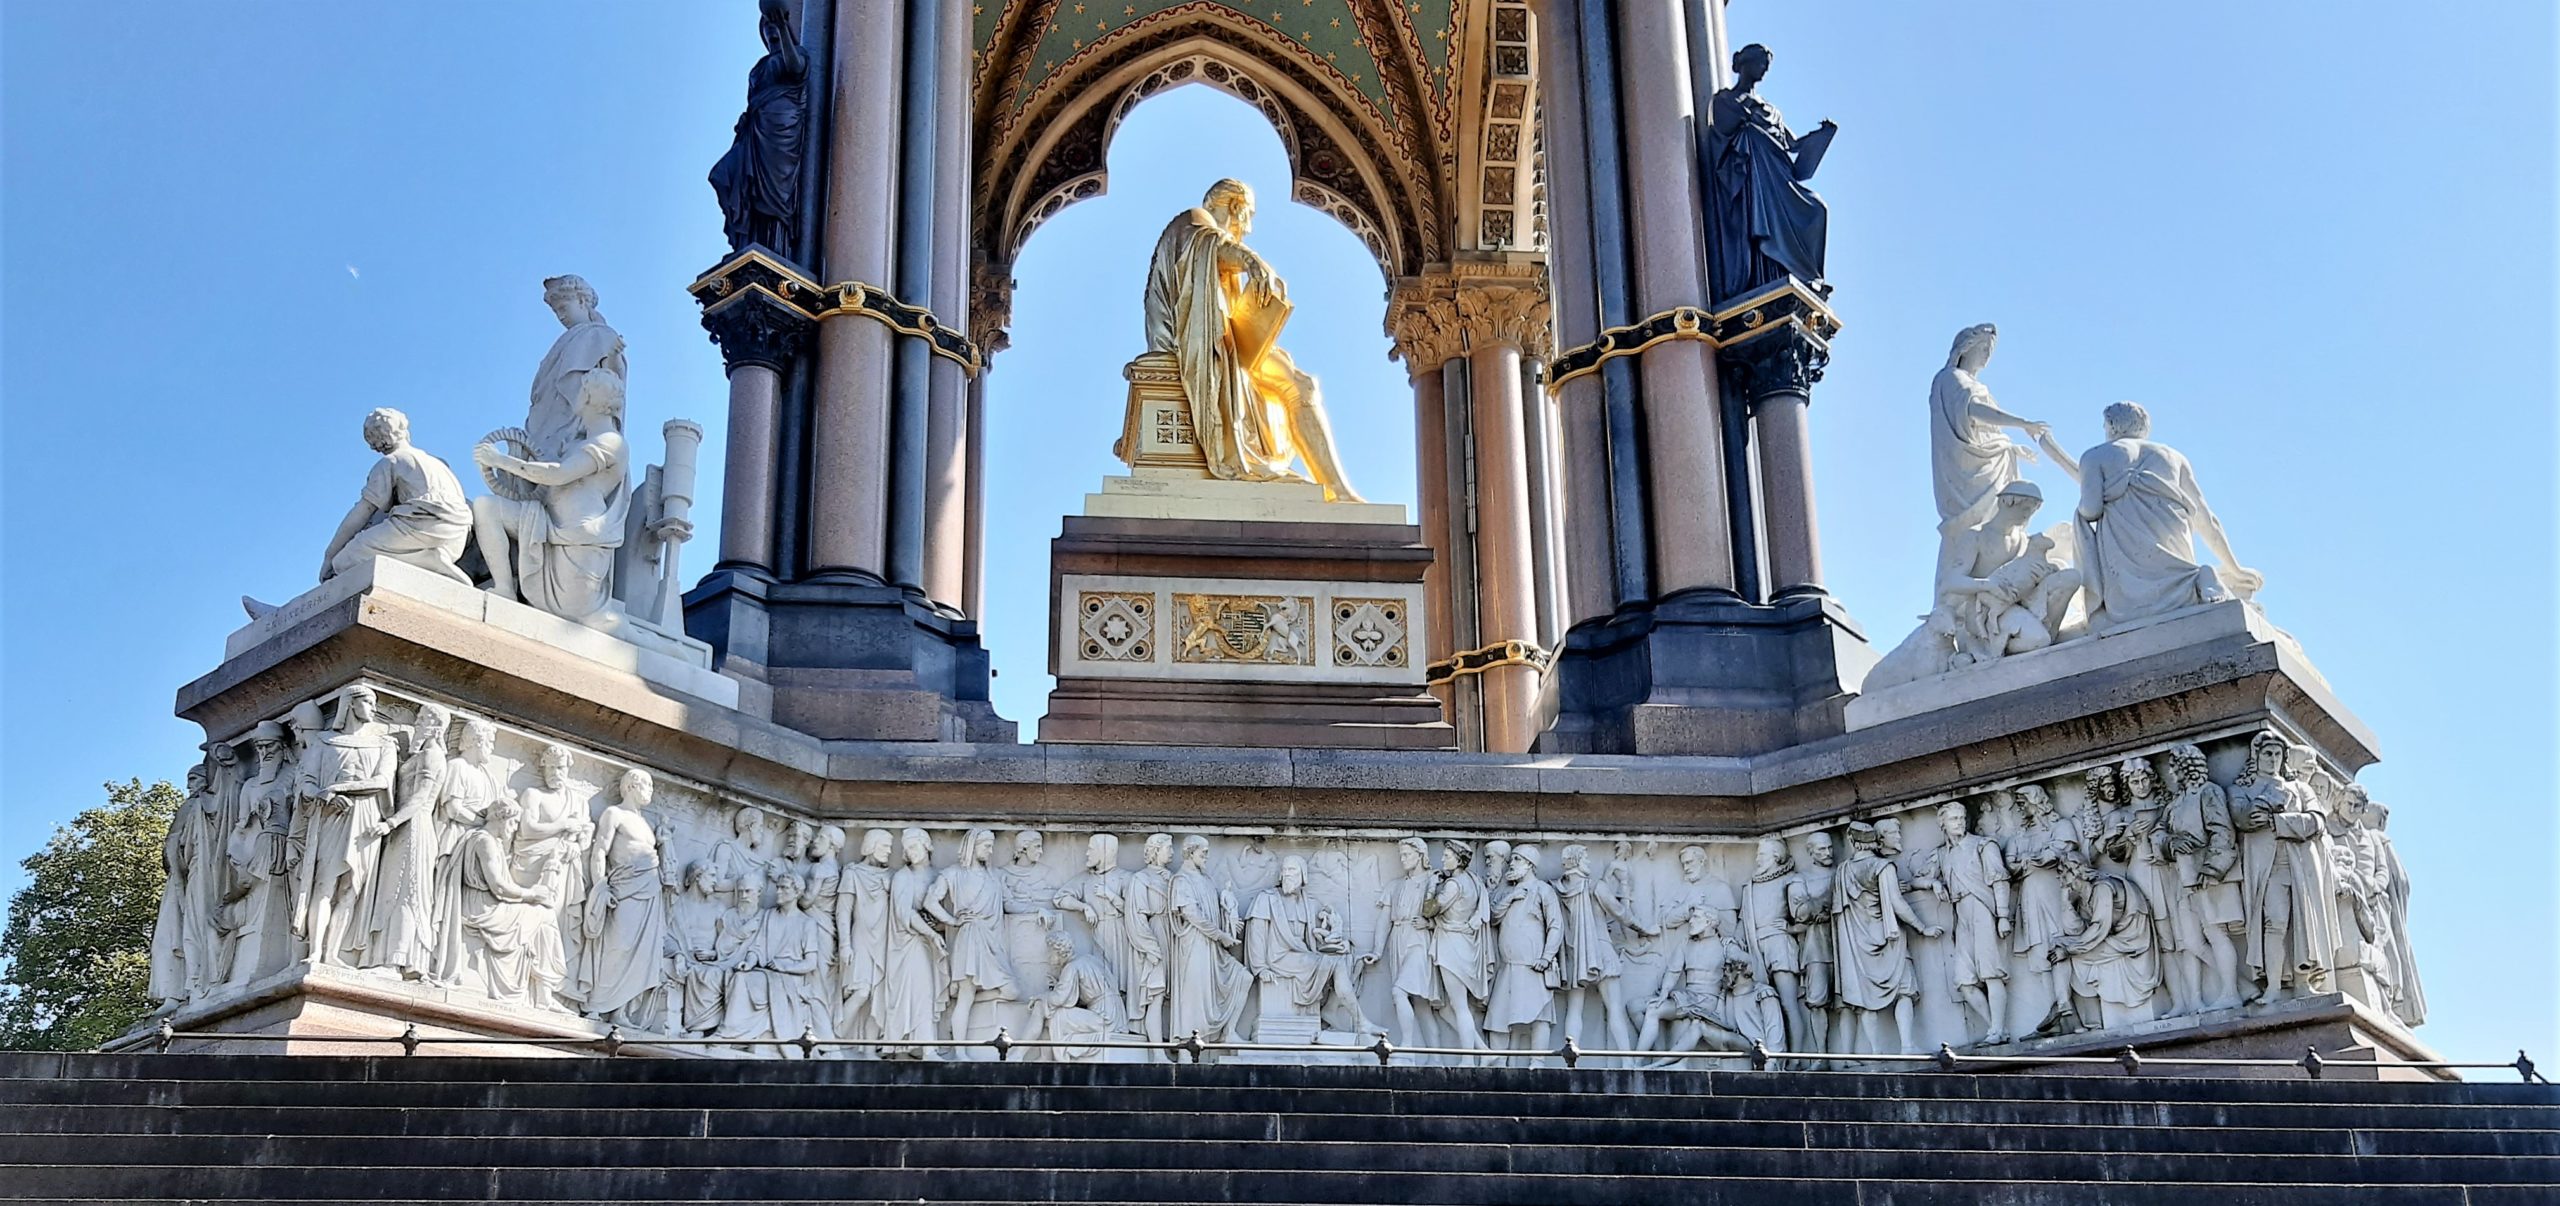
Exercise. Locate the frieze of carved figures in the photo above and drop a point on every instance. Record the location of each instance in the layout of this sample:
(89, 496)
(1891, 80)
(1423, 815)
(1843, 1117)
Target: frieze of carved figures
(448, 855)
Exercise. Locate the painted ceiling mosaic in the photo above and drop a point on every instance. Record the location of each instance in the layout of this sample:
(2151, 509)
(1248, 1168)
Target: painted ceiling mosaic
(1350, 40)
(1381, 104)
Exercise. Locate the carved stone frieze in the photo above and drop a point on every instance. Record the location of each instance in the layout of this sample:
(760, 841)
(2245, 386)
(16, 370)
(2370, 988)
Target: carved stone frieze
(467, 862)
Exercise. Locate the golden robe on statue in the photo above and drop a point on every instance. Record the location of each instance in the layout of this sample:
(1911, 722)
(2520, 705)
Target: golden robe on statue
(1217, 309)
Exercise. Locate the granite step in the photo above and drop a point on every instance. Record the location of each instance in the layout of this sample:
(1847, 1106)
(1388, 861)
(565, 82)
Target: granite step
(1022, 1157)
(213, 1183)
(659, 1124)
(1373, 1102)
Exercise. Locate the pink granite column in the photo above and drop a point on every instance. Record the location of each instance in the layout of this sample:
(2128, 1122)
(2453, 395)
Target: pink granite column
(946, 473)
(848, 520)
(1498, 319)
(1583, 430)
(1786, 494)
(1432, 490)
(1693, 536)
(746, 486)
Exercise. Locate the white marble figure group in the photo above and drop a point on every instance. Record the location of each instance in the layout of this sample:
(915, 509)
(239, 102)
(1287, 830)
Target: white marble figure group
(343, 836)
(562, 504)
(2127, 555)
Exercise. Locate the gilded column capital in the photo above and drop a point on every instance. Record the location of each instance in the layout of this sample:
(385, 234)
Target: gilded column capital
(1423, 322)
(1514, 312)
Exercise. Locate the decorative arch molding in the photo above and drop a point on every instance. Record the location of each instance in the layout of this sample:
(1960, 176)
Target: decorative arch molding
(1052, 152)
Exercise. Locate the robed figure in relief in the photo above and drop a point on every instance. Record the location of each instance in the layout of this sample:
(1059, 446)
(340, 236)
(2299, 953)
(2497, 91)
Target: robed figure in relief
(1217, 309)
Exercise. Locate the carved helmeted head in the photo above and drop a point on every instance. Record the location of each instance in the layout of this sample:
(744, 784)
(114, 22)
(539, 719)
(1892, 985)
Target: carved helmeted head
(2019, 501)
(2128, 421)
(355, 709)
(267, 744)
(571, 299)
(385, 430)
(1230, 201)
(1973, 347)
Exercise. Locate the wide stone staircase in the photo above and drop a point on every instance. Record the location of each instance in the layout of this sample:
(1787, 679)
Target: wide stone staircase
(179, 1128)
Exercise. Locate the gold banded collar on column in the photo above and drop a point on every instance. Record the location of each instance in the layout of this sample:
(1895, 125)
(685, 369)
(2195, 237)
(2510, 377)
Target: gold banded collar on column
(1788, 303)
(1491, 657)
(753, 270)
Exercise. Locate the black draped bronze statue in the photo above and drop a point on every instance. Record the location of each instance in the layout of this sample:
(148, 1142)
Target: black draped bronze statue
(1763, 223)
(758, 181)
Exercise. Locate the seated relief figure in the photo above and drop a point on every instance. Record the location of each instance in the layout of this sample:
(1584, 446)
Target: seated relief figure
(1216, 309)
(1303, 961)
(550, 534)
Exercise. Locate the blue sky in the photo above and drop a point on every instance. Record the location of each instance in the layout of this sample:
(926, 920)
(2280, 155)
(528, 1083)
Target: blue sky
(2316, 240)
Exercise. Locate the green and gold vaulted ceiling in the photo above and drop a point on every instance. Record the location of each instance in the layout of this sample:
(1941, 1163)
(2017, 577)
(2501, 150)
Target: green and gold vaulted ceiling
(1357, 42)
(1365, 94)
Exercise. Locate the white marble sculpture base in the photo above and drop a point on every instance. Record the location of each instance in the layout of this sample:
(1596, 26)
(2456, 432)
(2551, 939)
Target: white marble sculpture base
(2177, 630)
(673, 661)
(1175, 494)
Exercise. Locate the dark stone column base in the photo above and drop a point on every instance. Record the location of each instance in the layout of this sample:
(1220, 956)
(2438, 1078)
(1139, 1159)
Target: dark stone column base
(1707, 674)
(848, 661)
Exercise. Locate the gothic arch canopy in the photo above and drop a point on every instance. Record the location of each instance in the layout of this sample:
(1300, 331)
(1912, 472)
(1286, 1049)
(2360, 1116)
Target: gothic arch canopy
(1381, 104)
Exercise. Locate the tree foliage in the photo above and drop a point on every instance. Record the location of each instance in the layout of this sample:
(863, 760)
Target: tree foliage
(78, 942)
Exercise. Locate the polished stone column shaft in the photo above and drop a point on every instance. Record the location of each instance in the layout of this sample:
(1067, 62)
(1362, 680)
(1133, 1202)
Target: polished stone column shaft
(1583, 426)
(911, 359)
(850, 428)
(1786, 493)
(947, 455)
(1684, 429)
(747, 482)
(1506, 584)
(1432, 490)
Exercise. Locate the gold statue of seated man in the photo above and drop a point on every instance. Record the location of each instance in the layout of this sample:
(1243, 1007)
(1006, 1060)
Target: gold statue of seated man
(1215, 309)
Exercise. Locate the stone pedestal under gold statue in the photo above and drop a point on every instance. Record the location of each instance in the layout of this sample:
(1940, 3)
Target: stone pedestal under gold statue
(1221, 594)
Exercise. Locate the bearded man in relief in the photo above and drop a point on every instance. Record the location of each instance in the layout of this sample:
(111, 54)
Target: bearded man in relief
(1216, 308)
